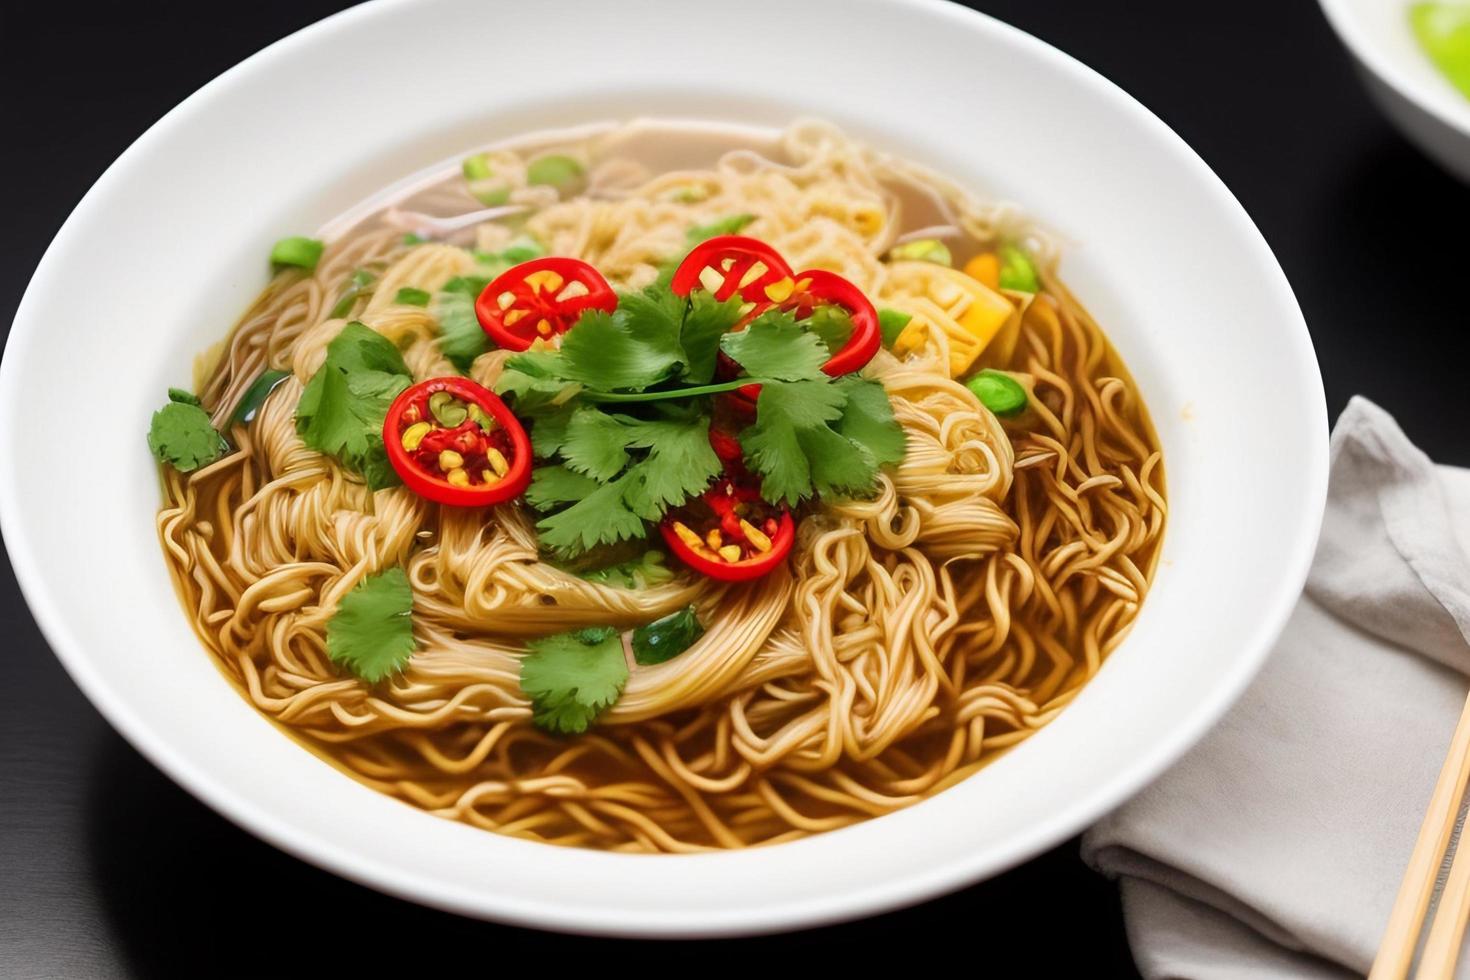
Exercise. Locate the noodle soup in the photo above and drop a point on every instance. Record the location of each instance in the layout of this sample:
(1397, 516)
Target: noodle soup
(662, 489)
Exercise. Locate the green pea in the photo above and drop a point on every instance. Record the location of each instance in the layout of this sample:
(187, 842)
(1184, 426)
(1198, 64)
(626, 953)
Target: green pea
(556, 170)
(999, 392)
(1017, 271)
(922, 250)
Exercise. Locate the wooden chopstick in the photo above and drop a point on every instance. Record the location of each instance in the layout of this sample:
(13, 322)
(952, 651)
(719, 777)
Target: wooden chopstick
(1396, 949)
(1447, 930)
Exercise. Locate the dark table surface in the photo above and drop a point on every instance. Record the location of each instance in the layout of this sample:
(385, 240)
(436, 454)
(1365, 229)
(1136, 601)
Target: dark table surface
(109, 869)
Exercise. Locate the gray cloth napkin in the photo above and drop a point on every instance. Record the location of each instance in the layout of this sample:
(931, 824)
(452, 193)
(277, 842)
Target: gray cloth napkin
(1276, 846)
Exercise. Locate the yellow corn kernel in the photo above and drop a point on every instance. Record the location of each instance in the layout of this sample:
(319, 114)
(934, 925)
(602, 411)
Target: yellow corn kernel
(489, 477)
(755, 536)
(688, 537)
(730, 552)
(780, 290)
(714, 540)
(449, 459)
(497, 461)
(414, 434)
(457, 477)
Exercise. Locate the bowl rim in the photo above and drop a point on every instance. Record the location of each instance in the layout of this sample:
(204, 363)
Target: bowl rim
(1441, 102)
(985, 860)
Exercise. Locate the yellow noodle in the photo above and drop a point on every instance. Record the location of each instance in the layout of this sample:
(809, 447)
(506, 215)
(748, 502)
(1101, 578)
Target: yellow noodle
(917, 633)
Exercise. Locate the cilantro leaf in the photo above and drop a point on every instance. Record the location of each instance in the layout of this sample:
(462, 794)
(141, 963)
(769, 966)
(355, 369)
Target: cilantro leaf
(571, 678)
(680, 462)
(867, 419)
(549, 430)
(534, 379)
(706, 321)
(594, 444)
(181, 434)
(610, 352)
(774, 346)
(371, 633)
(839, 467)
(601, 517)
(552, 485)
(772, 447)
(729, 225)
(342, 407)
(461, 337)
(643, 572)
(832, 325)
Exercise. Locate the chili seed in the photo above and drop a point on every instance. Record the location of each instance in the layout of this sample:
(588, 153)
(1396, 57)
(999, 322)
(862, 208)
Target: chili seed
(414, 434)
(755, 536)
(714, 540)
(489, 477)
(731, 553)
(687, 536)
(449, 460)
(497, 461)
(458, 477)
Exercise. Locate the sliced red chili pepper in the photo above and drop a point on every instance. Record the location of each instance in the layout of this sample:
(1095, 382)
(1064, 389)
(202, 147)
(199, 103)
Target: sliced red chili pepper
(747, 266)
(730, 533)
(473, 427)
(818, 287)
(541, 299)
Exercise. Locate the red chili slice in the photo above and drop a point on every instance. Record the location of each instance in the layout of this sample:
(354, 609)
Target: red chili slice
(818, 287)
(730, 533)
(732, 259)
(418, 438)
(541, 299)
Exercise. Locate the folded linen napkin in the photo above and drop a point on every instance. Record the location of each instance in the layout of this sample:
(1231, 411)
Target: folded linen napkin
(1276, 846)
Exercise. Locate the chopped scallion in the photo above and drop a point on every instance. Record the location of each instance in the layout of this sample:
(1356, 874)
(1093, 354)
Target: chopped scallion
(297, 251)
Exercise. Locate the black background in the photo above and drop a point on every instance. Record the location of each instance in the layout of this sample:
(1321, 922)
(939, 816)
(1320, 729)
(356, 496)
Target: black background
(108, 869)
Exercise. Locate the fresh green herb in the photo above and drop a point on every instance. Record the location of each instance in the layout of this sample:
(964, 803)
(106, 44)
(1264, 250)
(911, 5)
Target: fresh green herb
(1017, 271)
(610, 492)
(832, 325)
(522, 248)
(255, 396)
(614, 469)
(409, 296)
(371, 633)
(999, 392)
(461, 338)
(571, 678)
(643, 572)
(775, 346)
(342, 408)
(666, 638)
(556, 170)
(411, 238)
(361, 280)
(1443, 31)
(303, 253)
(923, 250)
(730, 225)
(181, 435)
(815, 437)
(891, 323)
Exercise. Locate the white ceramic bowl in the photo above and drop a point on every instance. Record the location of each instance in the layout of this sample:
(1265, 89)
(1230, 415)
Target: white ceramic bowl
(170, 245)
(1399, 76)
